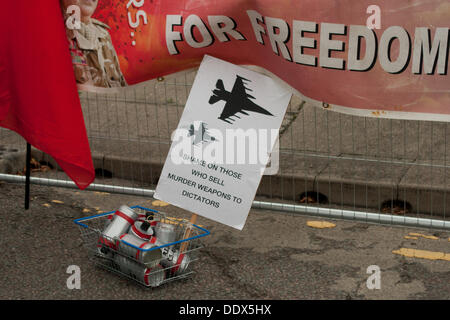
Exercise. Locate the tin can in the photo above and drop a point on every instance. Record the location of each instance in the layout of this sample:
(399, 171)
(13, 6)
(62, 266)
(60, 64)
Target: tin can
(105, 258)
(103, 254)
(148, 215)
(152, 277)
(165, 233)
(121, 222)
(149, 258)
(178, 263)
(103, 249)
(142, 230)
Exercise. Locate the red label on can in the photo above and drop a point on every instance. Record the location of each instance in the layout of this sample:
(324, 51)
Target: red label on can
(106, 242)
(124, 216)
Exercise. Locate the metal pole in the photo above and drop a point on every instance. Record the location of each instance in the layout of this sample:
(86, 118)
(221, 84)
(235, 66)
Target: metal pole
(353, 215)
(27, 177)
(70, 185)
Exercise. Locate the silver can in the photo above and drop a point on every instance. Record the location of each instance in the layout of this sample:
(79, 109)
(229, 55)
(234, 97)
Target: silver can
(149, 216)
(150, 258)
(105, 247)
(108, 220)
(120, 224)
(165, 233)
(142, 230)
(152, 277)
(103, 254)
(178, 263)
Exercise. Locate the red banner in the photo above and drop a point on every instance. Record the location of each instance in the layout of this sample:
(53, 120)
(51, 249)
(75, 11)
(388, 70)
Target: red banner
(388, 59)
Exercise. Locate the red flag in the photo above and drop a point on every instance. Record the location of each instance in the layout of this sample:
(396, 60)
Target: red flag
(38, 93)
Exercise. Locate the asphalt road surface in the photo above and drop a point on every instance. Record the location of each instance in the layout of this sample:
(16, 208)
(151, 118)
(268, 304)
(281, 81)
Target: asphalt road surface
(276, 256)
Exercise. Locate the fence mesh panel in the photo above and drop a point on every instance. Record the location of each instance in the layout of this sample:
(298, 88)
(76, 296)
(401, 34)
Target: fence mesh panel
(327, 159)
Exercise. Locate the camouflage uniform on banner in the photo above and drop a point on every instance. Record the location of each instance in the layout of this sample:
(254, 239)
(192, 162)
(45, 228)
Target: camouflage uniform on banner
(94, 58)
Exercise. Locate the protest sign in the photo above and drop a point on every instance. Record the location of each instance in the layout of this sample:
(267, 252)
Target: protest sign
(222, 144)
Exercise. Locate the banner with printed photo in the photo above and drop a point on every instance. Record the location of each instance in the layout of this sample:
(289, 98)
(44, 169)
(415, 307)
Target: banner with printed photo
(384, 60)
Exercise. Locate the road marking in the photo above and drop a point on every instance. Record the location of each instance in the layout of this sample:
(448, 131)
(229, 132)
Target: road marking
(423, 236)
(101, 193)
(422, 254)
(410, 237)
(57, 201)
(159, 203)
(320, 224)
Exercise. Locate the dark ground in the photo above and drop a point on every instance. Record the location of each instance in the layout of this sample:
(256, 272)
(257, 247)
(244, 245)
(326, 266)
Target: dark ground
(276, 256)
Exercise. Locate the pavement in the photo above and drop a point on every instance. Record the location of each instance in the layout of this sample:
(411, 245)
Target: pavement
(276, 256)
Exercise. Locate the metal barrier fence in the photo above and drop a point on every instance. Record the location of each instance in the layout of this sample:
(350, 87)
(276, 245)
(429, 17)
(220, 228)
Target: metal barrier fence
(331, 164)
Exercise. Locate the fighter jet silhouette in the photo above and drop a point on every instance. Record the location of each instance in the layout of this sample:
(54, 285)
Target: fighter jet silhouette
(238, 100)
(200, 135)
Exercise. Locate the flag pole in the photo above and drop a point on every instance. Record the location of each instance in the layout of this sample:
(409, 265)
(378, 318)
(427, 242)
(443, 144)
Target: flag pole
(27, 177)
(187, 234)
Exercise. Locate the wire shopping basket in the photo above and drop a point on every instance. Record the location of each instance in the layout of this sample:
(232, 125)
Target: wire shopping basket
(153, 257)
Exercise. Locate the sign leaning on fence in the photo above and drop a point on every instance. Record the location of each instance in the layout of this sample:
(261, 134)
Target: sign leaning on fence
(222, 144)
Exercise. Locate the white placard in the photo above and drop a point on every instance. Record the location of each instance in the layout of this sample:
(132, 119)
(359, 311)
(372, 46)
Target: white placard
(219, 151)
